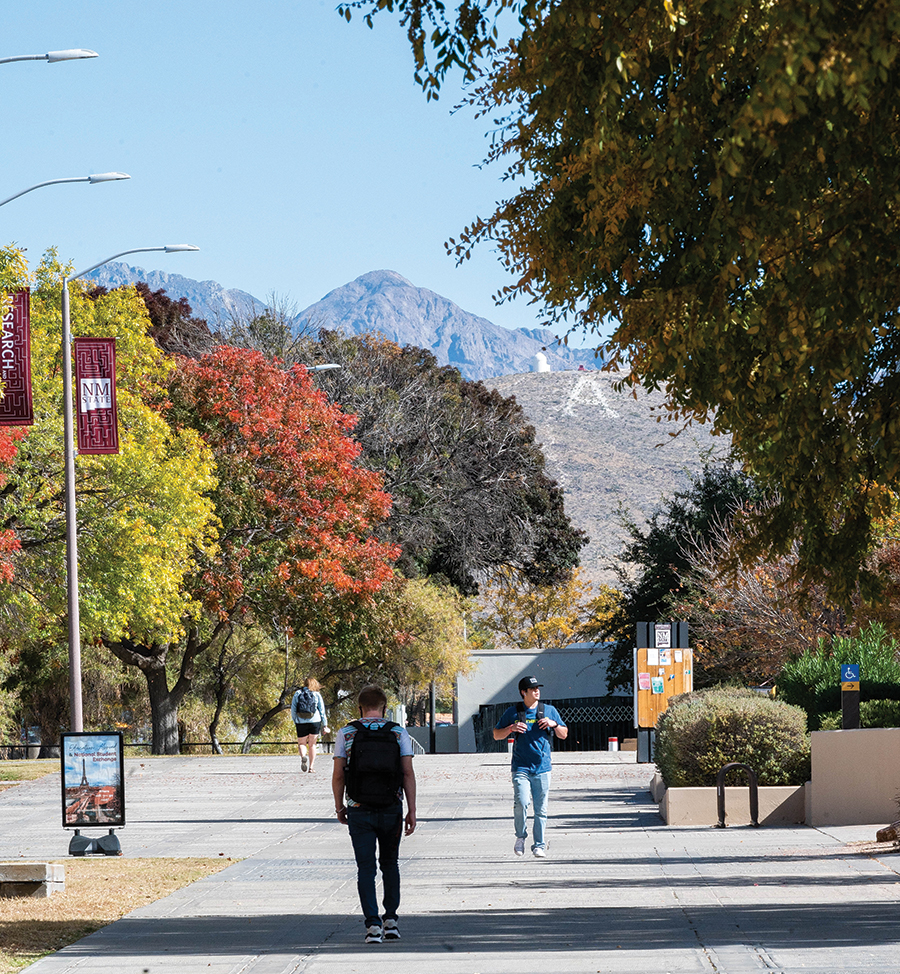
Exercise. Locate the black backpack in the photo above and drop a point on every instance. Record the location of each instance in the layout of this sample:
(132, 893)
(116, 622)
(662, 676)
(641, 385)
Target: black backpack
(305, 703)
(373, 774)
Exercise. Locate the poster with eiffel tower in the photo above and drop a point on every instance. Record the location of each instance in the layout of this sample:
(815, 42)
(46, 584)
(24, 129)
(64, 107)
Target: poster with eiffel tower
(93, 780)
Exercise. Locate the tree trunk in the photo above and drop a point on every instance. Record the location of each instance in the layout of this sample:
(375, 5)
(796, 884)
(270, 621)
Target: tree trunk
(163, 713)
(284, 703)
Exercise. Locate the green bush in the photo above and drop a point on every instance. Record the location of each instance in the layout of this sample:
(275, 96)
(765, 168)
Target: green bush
(702, 731)
(813, 681)
(872, 713)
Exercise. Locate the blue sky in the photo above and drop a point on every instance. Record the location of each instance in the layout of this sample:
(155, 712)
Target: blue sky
(292, 147)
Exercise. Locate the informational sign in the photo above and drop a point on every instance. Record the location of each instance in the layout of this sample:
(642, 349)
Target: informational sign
(95, 381)
(15, 360)
(93, 780)
(850, 675)
(663, 668)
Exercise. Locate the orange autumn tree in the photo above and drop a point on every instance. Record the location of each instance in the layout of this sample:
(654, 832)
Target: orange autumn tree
(296, 516)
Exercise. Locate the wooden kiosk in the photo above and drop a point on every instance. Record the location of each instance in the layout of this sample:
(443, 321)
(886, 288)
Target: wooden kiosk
(663, 668)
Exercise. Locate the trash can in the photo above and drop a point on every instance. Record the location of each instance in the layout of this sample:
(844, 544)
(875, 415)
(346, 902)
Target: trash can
(34, 742)
(613, 744)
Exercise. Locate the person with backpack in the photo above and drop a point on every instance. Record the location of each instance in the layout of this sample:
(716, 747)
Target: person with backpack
(534, 724)
(309, 717)
(373, 768)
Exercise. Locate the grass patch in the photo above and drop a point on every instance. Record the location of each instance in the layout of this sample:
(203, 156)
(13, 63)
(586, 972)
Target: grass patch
(98, 891)
(12, 772)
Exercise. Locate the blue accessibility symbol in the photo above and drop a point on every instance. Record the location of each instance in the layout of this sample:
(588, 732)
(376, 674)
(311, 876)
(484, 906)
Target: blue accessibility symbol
(850, 673)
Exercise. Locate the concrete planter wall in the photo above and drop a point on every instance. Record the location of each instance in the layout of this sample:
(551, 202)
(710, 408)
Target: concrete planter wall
(697, 806)
(855, 777)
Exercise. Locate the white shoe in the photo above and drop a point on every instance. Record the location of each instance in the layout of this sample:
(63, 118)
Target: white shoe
(519, 847)
(540, 852)
(373, 934)
(391, 930)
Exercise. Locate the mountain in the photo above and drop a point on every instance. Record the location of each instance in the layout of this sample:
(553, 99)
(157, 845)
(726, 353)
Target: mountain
(383, 302)
(609, 453)
(207, 299)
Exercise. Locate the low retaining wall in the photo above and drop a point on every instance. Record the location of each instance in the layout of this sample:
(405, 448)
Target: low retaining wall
(39, 879)
(698, 806)
(855, 777)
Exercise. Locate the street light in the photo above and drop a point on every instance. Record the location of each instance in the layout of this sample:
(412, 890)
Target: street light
(98, 177)
(76, 715)
(51, 57)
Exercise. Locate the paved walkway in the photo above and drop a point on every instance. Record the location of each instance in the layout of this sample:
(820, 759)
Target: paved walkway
(620, 892)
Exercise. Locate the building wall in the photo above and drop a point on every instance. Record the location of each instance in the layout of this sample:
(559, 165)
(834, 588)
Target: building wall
(571, 671)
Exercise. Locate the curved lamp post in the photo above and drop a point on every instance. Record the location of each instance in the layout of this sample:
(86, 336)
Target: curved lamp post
(98, 177)
(51, 57)
(75, 705)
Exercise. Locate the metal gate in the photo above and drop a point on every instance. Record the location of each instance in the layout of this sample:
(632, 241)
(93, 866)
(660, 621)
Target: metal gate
(591, 722)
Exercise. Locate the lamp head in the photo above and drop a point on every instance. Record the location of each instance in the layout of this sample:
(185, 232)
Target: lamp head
(71, 55)
(179, 248)
(105, 177)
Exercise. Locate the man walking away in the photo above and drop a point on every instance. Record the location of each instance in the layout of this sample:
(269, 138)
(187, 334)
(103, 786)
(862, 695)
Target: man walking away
(373, 766)
(534, 724)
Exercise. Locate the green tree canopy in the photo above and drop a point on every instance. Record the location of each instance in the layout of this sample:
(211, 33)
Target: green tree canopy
(718, 179)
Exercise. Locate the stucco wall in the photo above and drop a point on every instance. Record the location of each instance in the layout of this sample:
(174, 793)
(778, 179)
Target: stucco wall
(855, 777)
(573, 671)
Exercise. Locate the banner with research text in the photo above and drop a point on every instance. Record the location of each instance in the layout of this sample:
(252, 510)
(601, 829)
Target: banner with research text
(95, 384)
(15, 360)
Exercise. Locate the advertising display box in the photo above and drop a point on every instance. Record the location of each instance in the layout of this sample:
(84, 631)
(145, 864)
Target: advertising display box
(93, 780)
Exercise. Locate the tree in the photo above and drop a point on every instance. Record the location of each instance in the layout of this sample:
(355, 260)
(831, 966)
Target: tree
(655, 564)
(468, 481)
(718, 180)
(529, 616)
(295, 513)
(142, 514)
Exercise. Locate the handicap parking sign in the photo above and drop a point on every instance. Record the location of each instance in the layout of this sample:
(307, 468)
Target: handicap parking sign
(849, 672)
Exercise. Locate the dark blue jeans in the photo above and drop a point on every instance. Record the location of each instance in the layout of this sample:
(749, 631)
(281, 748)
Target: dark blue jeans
(370, 828)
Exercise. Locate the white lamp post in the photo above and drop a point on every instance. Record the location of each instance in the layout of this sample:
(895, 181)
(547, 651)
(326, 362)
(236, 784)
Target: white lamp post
(51, 57)
(76, 711)
(98, 177)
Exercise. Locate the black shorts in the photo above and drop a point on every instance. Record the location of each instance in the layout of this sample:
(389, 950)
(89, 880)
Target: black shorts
(312, 727)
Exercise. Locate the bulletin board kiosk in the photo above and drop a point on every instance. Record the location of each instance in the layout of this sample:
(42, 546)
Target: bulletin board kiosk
(663, 668)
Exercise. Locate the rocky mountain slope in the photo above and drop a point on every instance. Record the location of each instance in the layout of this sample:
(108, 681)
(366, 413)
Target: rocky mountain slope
(608, 452)
(382, 302)
(385, 302)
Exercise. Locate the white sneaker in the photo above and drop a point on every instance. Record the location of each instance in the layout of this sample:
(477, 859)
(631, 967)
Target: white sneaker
(519, 847)
(391, 931)
(540, 852)
(373, 934)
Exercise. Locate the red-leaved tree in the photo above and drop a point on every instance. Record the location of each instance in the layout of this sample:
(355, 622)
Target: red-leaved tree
(296, 515)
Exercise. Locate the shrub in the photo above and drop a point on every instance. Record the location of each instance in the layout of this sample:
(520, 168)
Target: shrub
(872, 713)
(813, 681)
(702, 731)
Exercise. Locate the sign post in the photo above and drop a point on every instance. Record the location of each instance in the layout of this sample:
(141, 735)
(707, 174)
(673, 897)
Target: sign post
(93, 790)
(850, 696)
(663, 668)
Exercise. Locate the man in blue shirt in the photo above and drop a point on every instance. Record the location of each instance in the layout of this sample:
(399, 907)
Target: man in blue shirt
(533, 724)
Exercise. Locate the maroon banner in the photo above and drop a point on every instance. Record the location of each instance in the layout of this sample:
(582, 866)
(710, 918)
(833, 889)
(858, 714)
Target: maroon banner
(15, 361)
(95, 391)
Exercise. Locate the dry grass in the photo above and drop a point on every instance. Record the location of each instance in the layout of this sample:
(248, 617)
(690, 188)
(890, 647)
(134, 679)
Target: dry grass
(98, 891)
(12, 772)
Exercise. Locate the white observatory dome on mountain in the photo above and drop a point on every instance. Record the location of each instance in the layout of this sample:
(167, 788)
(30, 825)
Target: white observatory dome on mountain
(539, 363)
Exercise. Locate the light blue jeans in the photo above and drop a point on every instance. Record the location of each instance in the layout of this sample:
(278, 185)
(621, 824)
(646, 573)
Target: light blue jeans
(528, 787)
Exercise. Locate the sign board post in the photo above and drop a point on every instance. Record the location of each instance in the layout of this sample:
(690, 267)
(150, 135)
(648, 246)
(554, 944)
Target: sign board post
(663, 668)
(93, 790)
(850, 696)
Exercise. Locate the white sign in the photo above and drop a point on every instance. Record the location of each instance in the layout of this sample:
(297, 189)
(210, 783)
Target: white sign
(663, 637)
(96, 394)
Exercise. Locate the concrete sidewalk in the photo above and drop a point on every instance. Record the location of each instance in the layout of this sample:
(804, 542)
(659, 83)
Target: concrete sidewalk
(620, 892)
